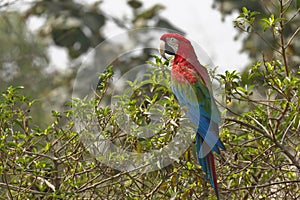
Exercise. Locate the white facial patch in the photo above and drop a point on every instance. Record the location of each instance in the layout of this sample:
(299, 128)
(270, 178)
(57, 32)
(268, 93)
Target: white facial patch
(172, 42)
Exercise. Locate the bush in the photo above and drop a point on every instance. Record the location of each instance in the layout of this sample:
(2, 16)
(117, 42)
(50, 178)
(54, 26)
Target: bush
(260, 131)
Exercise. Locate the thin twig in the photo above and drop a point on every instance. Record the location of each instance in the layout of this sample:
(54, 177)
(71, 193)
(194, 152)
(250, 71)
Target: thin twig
(82, 189)
(292, 38)
(150, 194)
(262, 131)
(264, 185)
(283, 53)
(16, 188)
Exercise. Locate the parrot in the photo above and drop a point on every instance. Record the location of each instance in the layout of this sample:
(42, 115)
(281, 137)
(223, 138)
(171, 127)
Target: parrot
(191, 84)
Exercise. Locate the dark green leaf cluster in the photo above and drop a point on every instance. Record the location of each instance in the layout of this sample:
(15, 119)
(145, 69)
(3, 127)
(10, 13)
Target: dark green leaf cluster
(70, 25)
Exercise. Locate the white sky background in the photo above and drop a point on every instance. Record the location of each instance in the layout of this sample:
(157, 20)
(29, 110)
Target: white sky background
(201, 23)
(197, 19)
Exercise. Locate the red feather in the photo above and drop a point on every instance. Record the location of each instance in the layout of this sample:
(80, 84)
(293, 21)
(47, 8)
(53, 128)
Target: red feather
(187, 68)
(211, 163)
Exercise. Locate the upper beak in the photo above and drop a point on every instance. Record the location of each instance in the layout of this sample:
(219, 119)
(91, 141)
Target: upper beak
(162, 50)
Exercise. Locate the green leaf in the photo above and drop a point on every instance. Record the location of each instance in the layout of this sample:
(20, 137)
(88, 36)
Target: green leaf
(135, 4)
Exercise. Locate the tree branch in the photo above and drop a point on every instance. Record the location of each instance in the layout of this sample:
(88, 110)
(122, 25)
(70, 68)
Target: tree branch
(262, 131)
(265, 185)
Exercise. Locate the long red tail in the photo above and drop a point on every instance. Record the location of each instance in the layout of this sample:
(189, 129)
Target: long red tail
(208, 164)
(213, 175)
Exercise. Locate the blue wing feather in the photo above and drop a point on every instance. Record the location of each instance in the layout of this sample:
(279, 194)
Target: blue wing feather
(204, 114)
(202, 111)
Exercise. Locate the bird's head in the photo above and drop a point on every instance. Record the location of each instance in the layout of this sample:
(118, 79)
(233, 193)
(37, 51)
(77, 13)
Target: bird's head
(175, 44)
(182, 50)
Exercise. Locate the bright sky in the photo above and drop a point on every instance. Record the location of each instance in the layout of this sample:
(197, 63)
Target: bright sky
(203, 25)
(198, 19)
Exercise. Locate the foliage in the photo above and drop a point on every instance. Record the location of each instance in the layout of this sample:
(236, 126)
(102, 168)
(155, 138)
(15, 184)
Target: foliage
(22, 57)
(262, 124)
(261, 160)
(79, 27)
(69, 25)
(273, 18)
(260, 130)
(54, 162)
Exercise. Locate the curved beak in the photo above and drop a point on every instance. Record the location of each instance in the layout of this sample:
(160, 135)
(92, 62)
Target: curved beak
(162, 49)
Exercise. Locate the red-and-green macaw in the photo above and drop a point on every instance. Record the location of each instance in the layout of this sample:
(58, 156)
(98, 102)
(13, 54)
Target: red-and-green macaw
(191, 85)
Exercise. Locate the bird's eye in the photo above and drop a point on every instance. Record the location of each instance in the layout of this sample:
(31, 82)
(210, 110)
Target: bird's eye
(172, 40)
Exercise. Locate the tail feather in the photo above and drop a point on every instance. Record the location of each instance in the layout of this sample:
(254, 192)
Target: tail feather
(208, 164)
(213, 177)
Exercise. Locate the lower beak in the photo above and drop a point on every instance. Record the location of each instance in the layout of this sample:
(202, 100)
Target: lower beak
(162, 49)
